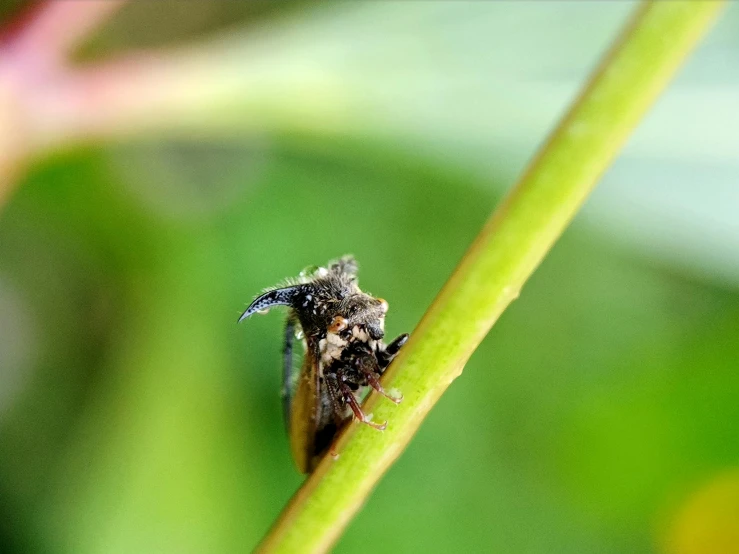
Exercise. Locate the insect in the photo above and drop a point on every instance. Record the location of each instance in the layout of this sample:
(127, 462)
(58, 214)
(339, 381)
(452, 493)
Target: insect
(341, 329)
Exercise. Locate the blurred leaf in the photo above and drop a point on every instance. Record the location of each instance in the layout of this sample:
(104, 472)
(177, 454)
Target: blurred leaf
(604, 393)
(709, 521)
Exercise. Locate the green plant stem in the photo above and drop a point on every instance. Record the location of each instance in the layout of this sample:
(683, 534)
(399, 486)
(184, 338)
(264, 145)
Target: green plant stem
(492, 272)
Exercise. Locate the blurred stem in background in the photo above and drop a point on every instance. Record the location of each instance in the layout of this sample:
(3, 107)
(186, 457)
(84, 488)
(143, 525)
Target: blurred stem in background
(504, 255)
(34, 56)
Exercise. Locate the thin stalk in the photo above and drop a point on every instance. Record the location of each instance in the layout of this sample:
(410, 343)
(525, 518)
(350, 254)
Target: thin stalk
(34, 59)
(507, 251)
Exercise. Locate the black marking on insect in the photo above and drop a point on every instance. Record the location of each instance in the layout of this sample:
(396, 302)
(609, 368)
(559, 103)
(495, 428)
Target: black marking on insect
(341, 329)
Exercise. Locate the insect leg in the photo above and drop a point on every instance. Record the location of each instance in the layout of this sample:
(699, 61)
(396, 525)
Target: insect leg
(287, 368)
(332, 386)
(370, 370)
(384, 357)
(350, 399)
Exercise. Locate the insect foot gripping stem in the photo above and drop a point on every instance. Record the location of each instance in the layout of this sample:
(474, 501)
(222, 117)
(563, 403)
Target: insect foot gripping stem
(348, 397)
(370, 368)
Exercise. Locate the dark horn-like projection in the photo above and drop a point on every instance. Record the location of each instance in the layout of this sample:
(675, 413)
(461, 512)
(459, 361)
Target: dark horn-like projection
(277, 297)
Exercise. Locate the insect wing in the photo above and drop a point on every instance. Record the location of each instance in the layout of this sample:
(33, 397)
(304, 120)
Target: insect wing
(304, 408)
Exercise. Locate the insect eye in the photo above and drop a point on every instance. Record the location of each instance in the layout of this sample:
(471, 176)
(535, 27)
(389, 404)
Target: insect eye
(383, 305)
(338, 324)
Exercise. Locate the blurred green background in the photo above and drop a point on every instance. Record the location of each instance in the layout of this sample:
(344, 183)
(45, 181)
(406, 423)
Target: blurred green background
(600, 415)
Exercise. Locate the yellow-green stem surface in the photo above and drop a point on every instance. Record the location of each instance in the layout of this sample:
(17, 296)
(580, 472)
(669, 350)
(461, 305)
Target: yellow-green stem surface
(507, 251)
